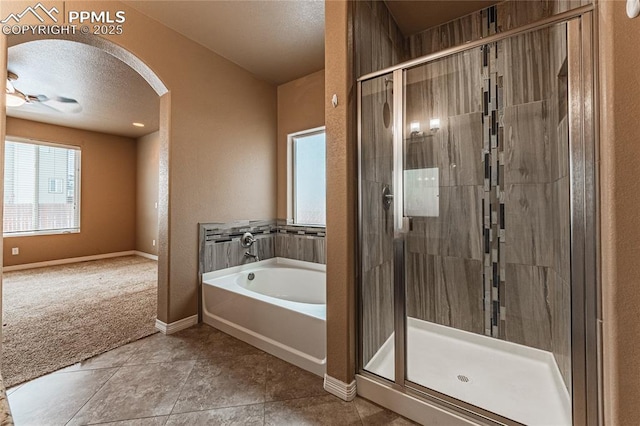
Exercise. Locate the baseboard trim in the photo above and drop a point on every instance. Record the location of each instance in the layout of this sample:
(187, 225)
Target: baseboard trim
(69, 260)
(176, 326)
(146, 255)
(339, 388)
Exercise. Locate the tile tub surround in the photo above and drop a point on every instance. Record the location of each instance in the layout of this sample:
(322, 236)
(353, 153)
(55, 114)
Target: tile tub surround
(196, 376)
(220, 246)
(299, 242)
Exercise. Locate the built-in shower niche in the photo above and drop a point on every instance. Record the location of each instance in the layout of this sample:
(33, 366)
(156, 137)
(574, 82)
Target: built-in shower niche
(486, 260)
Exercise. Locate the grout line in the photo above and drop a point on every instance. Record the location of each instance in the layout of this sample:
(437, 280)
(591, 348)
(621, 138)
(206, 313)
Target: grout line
(126, 420)
(94, 394)
(184, 383)
(215, 409)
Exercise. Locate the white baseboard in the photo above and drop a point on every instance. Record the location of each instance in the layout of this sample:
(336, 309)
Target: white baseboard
(339, 388)
(145, 255)
(176, 326)
(70, 260)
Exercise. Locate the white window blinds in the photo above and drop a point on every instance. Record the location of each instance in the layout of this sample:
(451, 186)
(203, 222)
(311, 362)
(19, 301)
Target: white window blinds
(41, 188)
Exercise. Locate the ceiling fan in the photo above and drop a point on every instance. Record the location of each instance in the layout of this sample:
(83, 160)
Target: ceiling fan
(16, 98)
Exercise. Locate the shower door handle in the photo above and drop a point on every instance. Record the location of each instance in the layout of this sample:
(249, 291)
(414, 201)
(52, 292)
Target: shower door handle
(387, 197)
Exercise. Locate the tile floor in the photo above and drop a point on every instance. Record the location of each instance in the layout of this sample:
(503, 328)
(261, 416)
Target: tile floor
(199, 376)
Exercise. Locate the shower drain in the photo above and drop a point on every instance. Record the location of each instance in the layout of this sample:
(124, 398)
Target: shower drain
(463, 379)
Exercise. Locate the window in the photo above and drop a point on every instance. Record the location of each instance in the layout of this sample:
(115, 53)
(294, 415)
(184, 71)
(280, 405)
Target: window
(307, 171)
(41, 188)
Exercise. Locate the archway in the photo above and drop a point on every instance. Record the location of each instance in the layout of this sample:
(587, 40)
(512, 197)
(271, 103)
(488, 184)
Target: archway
(164, 94)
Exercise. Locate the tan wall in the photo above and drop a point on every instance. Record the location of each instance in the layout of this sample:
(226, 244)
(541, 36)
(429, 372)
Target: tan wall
(108, 196)
(147, 174)
(222, 144)
(340, 237)
(300, 107)
(3, 66)
(620, 200)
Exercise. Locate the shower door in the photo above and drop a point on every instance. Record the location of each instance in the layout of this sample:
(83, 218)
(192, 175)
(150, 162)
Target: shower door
(471, 166)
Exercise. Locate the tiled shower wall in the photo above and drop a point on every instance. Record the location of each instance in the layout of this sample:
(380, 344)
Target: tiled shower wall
(444, 252)
(220, 246)
(510, 285)
(536, 179)
(532, 304)
(379, 44)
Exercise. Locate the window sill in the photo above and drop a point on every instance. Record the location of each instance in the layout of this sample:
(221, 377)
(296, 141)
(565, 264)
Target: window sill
(304, 225)
(40, 233)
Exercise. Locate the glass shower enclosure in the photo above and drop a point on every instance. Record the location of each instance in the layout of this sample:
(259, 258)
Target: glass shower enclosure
(475, 226)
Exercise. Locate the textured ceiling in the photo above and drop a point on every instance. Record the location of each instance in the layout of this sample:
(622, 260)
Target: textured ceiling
(111, 94)
(278, 41)
(415, 16)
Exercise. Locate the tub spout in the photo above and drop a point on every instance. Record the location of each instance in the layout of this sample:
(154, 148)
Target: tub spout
(252, 256)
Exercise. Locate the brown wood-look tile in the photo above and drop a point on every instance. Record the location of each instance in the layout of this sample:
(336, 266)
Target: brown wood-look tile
(529, 224)
(461, 223)
(301, 247)
(528, 305)
(562, 228)
(459, 293)
(461, 160)
(528, 78)
(421, 286)
(377, 294)
(528, 149)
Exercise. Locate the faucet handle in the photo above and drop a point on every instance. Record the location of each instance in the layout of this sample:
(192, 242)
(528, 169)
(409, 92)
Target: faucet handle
(247, 239)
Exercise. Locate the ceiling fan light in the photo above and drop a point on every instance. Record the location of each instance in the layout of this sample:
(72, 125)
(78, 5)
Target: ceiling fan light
(14, 100)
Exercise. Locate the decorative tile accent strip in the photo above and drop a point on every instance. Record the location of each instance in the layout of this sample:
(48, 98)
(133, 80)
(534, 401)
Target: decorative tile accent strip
(288, 228)
(493, 198)
(222, 232)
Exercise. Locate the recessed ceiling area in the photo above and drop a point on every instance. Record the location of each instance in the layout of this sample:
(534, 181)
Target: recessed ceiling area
(111, 94)
(416, 16)
(278, 41)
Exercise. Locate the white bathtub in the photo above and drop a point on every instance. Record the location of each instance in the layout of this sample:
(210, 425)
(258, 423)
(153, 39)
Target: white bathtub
(281, 311)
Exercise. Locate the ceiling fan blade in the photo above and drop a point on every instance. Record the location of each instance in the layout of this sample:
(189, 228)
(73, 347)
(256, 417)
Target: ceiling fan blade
(10, 88)
(59, 103)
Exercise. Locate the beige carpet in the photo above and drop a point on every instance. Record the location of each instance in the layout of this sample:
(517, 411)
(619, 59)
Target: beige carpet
(56, 316)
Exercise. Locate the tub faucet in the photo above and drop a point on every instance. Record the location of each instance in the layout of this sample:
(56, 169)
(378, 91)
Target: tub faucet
(252, 256)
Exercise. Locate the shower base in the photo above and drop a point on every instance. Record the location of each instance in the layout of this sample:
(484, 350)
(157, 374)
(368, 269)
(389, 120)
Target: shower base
(515, 381)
